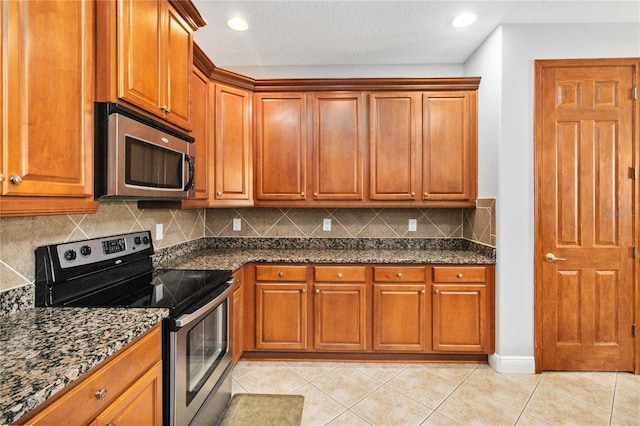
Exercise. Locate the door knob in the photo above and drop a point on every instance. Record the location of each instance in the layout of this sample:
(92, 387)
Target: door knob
(550, 257)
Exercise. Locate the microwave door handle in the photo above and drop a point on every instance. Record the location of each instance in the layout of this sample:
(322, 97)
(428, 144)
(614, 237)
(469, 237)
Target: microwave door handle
(189, 160)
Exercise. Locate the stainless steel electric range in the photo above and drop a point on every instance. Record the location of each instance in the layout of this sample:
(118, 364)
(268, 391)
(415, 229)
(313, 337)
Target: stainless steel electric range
(117, 271)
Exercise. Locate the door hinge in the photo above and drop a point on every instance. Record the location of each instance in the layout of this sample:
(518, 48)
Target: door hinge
(634, 252)
(634, 93)
(634, 330)
(633, 173)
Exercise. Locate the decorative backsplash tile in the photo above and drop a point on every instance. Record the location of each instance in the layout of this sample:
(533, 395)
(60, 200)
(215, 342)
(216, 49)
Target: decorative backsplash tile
(20, 236)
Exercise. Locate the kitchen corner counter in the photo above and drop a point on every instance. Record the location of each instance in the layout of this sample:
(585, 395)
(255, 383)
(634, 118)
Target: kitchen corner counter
(235, 258)
(42, 350)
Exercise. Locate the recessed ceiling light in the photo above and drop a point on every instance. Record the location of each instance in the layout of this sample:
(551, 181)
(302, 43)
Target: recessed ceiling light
(464, 20)
(237, 24)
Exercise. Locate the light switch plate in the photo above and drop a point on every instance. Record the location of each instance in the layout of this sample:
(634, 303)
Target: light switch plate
(237, 224)
(326, 225)
(159, 231)
(413, 225)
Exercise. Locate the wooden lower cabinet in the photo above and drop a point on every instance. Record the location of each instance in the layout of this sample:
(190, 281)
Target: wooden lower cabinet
(399, 309)
(340, 308)
(384, 309)
(125, 389)
(237, 313)
(462, 309)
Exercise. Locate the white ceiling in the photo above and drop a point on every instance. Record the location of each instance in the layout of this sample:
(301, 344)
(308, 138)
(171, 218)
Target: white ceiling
(307, 33)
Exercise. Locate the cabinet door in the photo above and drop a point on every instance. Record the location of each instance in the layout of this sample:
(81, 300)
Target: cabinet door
(340, 317)
(394, 132)
(202, 124)
(232, 145)
(281, 316)
(399, 317)
(140, 404)
(449, 157)
(338, 146)
(459, 317)
(237, 315)
(141, 61)
(48, 107)
(178, 52)
(281, 131)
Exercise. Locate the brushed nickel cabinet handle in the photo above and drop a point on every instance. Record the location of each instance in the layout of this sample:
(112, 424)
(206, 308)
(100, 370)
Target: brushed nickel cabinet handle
(101, 393)
(303, 291)
(459, 275)
(399, 274)
(422, 292)
(317, 291)
(339, 274)
(281, 274)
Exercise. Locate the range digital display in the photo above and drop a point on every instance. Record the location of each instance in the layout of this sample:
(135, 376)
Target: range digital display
(113, 246)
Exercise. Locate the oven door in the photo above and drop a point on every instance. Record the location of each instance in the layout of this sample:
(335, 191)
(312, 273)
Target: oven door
(199, 349)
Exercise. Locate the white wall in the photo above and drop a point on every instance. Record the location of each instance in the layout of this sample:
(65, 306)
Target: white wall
(520, 46)
(352, 71)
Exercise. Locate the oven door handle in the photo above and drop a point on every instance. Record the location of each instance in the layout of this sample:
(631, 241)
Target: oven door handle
(186, 319)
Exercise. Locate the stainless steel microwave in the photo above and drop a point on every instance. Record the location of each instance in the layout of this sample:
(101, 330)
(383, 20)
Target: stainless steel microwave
(137, 157)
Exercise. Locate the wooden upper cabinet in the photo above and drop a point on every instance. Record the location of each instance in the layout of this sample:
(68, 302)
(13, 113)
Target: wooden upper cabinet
(146, 59)
(202, 125)
(280, 141)
(47, 146)
(338, 146)
(233, 167)
(449, 156)
(394, 132)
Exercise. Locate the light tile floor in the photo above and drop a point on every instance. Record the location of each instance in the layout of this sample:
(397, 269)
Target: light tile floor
(444, 394)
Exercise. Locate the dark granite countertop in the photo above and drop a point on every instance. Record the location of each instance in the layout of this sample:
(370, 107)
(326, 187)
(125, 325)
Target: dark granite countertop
(234, 258)
(42, 350)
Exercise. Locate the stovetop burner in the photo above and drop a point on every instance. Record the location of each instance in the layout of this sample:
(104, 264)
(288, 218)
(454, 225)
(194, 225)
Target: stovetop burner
(118, 272)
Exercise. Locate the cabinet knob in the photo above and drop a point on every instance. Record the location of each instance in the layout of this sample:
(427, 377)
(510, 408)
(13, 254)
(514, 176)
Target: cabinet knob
(459, 275)
(302, 193)
(303, 291)
(165, 108)
(219, 193)
(1, 178)
(436, 292)
(315, 194)
(422, 292)
(413, 194)
(399, 274)
(425, 194)
(281, 274)
(101, 393)
(339, 274)
(317, 291)
(15, 179)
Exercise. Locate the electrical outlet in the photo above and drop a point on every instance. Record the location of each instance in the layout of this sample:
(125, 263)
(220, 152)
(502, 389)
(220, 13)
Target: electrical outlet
(237, 224)
(159, 231)
(413, 225)
(326, 225)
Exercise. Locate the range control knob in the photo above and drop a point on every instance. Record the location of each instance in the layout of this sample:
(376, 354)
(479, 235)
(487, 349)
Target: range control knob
(137, 240)
(70, 255)
(85, 251)
(145, 240)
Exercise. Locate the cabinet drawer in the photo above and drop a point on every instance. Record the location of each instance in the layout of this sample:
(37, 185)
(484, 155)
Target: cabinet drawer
(458, 274)
(399, 274)
(80, 405)
(339, 273)
(281, 273)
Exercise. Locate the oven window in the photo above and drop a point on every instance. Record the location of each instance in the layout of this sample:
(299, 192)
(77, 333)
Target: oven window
(206, 346)
(152, 166)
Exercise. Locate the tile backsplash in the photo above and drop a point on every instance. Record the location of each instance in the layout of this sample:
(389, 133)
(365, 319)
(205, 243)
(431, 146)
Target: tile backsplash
(20, 236)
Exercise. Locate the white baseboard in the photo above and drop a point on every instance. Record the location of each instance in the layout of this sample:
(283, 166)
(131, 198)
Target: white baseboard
(513, 364)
